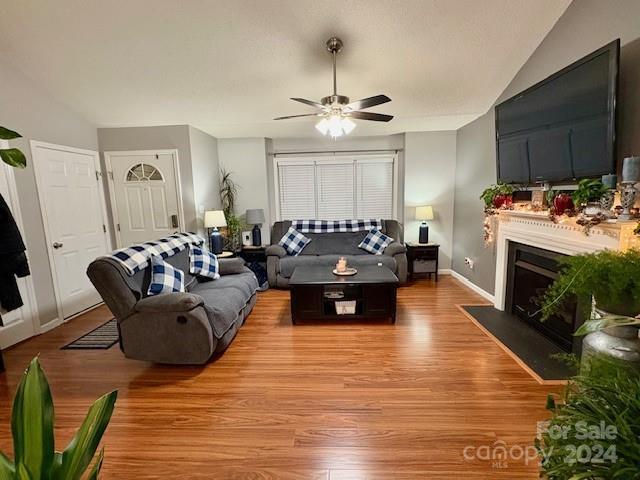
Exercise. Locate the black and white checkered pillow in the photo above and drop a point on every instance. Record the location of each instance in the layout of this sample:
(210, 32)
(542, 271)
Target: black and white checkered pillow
(164, 277)
(293, 242)
(375, 242)
(203, 263)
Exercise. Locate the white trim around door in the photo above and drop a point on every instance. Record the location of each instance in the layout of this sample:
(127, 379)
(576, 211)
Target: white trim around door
(38, 170)
(30, 324)
(176, 166)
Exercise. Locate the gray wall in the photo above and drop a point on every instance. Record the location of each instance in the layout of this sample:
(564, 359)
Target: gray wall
(32, 112)
(247, 160)
(585, 26)
(429, 174)
(205, 170)
(152, 138)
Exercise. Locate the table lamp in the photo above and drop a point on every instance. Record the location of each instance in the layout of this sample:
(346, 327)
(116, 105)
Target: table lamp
(255, 217)
(214, 219)
(423, 214)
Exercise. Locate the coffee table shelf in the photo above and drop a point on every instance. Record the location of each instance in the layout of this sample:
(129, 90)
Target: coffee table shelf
(373, 289)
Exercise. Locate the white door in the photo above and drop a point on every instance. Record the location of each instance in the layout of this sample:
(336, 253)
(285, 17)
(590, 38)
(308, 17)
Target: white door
(72, 204)
(144, 195)
(19, 323)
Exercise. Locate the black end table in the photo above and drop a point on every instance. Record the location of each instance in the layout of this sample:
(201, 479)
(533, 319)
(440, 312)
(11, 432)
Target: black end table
(422, 259)
(253, 254)
(315, 291)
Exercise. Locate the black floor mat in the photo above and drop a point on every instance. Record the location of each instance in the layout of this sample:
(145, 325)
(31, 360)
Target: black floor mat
(530, 346)
(100, 338)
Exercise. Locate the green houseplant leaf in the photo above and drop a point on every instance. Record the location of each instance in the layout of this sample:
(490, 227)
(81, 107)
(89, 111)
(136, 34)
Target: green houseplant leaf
(93, 475)
(7, 468)
(596, 325)
(32, 424)
(78, 454)
(13, 157)
(6, 134)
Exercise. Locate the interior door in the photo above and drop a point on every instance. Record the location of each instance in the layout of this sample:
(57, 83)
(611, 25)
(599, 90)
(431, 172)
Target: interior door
(72, 204)
(18, 324)
(144, 196)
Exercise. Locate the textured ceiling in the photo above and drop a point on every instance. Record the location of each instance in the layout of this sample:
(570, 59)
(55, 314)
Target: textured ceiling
(228, 67)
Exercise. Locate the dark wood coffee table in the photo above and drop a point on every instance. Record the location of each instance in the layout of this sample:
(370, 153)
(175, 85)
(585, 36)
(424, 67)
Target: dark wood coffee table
(314, 291)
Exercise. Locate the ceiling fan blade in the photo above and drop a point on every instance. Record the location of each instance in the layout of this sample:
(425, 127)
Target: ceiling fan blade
(368, 102)
(308, 102)
(376, 117)
(296, 116)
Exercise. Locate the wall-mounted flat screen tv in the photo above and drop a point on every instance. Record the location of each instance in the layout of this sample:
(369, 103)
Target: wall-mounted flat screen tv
(563, 128)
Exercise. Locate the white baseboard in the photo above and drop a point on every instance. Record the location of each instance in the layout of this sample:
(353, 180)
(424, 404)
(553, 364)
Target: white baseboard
(468, 283)
(50, 325)
(444, 271)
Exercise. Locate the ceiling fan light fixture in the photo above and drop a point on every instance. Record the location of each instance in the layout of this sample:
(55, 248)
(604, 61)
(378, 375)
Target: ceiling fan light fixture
(348, 125)
(323, 126)
(335, 125)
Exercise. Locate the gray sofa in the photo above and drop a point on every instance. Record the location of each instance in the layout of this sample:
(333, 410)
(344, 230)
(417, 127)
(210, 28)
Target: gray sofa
(325, 249)
(176, 328)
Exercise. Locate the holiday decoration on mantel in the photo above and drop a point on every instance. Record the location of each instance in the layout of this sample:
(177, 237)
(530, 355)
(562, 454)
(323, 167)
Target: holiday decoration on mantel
(496, 197)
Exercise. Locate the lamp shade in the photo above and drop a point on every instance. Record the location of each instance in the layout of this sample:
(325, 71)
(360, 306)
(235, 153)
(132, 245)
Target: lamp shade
(424, 213)
(214, 218)
(255, 216)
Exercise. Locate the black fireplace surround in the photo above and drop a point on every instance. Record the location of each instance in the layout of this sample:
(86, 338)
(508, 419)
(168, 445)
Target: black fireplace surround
(530, 271)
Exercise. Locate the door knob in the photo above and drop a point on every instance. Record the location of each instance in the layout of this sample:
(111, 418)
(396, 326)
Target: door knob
(57, 245)
(174, 221)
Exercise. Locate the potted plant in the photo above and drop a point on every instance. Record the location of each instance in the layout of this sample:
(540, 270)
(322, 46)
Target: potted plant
(11, 156)
(606, 284)
(587, 196)
(594, 429)
(499, 195)
(33, 439)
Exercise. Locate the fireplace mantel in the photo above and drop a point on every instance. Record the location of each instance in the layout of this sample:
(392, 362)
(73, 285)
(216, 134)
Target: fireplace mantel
(565, 236)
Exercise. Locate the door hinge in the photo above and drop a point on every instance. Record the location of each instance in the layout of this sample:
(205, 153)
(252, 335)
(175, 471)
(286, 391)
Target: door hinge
(118, 226)
(104, 228)
(110, 175)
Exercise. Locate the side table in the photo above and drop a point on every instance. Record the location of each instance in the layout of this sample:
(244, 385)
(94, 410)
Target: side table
(422, 259)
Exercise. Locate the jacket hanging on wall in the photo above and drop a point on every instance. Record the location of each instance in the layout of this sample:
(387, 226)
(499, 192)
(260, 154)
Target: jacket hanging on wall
(13, 260)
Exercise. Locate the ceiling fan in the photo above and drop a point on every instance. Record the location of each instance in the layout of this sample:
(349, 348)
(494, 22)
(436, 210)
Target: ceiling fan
(336, 111)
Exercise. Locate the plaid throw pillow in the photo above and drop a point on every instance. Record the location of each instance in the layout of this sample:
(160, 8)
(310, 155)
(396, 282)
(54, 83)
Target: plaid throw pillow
(375, 242)
(203, 263)
(164, 277)
(293, 242)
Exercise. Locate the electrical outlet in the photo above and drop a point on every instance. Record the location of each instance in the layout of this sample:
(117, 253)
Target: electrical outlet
(469, 262)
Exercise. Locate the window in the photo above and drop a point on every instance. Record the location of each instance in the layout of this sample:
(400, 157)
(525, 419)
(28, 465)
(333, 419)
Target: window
(143, 172)
(335, 187)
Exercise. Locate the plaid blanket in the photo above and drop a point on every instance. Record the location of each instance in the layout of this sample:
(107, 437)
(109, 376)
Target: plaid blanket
(136, 257)
(332, 226)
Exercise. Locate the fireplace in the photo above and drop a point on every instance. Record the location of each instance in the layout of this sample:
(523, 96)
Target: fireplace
(530, 270)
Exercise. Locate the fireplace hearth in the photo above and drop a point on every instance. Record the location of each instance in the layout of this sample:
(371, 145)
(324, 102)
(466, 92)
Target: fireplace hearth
(530, 271)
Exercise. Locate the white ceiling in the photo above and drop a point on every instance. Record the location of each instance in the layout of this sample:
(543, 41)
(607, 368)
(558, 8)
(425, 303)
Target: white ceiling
(229, 67)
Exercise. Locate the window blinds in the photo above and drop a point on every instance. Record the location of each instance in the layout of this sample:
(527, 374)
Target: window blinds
(336, 188)
(297, 191)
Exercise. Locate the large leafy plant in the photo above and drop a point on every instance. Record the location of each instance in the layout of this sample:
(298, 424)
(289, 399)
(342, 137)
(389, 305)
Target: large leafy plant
(604, 401)
(33, 440)
(589, 191)
(228, 192)
(612, 278)
(11, 156)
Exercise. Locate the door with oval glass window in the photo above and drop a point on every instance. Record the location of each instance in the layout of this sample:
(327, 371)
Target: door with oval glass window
(144, 195)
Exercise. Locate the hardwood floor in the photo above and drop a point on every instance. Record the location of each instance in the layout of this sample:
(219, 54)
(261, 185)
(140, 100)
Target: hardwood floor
(313, 401)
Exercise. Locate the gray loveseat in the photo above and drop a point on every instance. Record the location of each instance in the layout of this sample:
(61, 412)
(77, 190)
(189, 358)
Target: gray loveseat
(325, 249)
(176, 328)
